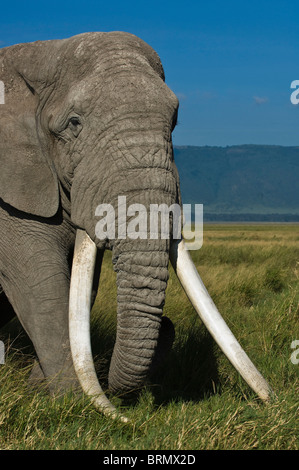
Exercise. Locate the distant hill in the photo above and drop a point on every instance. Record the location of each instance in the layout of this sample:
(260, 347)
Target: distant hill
(241, 183)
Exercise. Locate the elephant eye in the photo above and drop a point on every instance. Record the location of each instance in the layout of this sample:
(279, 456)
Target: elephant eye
(74, 124)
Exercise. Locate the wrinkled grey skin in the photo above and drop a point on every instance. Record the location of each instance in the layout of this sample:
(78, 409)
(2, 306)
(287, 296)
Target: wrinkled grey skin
(85, 120)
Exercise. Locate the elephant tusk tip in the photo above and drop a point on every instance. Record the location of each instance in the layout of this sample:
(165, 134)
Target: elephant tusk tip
(271, 397)
(114, 414)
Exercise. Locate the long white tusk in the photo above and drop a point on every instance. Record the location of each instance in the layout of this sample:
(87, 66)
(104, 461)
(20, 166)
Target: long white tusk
(207, 311)
(79, 323)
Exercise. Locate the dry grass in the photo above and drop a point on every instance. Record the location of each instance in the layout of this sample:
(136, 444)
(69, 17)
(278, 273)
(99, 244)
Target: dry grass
(196, 400)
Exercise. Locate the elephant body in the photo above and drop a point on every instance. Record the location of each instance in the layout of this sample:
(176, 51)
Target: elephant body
(86, 120)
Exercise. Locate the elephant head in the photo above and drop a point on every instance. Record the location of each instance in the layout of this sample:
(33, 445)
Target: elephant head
(91, 118)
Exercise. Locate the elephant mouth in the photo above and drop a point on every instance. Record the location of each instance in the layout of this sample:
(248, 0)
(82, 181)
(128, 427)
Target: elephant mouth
(79, 321)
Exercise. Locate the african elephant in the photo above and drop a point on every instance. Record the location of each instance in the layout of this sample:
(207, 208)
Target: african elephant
(87, 119)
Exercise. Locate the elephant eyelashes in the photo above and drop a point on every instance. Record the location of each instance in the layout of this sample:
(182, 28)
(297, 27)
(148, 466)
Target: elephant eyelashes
(75, 126)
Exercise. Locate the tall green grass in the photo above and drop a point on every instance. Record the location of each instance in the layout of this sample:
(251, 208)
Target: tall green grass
(196, 400)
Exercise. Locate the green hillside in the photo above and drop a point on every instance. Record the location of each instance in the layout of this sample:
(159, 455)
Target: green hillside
(245, 182)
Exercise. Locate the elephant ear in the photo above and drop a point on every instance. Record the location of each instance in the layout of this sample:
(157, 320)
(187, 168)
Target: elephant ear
(28, 180)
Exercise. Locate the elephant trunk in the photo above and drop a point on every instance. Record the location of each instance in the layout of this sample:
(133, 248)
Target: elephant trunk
(142, 274)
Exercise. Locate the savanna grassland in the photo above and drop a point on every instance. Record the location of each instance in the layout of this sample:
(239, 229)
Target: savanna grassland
(196, 400)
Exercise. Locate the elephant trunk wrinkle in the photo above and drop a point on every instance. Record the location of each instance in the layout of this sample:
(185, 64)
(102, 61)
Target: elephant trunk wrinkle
(140, 298)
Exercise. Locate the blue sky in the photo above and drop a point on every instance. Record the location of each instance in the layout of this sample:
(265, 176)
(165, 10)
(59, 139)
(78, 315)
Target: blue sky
(230, 63)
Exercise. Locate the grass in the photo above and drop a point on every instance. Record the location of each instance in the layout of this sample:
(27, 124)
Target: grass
(196, 400)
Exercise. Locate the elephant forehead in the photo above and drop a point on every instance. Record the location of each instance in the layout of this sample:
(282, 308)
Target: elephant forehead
(104, 40)
(108, 58)
(98, 50)
(113, 64)
(114, 97)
